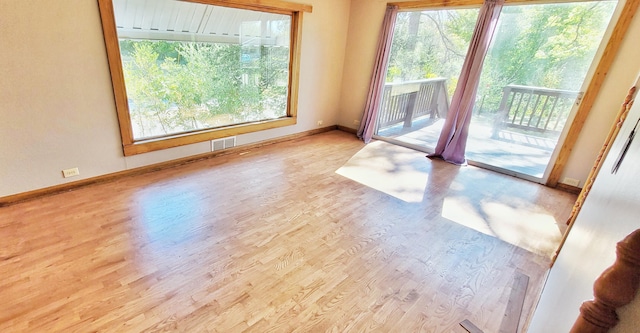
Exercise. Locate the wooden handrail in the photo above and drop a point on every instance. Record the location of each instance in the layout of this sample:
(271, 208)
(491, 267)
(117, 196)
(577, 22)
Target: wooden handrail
(617, 286)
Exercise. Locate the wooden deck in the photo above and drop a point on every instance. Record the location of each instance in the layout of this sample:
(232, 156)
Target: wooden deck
(320, 234)
(524, 153)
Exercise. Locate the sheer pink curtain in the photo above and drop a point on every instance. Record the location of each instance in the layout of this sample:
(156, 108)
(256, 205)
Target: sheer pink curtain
(453, 138)
(368, 123)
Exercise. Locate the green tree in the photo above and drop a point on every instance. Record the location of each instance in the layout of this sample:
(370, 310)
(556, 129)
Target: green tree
(178, 86)
(430, 44)
(545, 45)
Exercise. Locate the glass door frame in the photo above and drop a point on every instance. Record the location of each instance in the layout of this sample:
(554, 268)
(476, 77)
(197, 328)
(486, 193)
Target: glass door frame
(609, 45)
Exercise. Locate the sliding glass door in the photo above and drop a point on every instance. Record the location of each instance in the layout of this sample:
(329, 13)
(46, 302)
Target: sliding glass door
(428, 50)
(531, 79)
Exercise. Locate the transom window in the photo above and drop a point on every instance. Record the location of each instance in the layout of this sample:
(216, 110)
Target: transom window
(185, 72)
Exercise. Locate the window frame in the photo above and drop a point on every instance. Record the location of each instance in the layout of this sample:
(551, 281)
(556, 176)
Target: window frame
(132, 147)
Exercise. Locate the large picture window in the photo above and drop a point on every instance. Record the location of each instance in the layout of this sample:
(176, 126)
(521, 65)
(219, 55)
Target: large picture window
(185, 72)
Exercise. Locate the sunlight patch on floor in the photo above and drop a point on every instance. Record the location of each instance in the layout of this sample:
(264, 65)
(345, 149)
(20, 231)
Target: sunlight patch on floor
(388, 169)
(533, 231)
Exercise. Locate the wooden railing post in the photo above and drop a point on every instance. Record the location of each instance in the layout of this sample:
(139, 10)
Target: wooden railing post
(443, 100)
(503, 112)
(409, 109)
(434, 113)
(617, 286)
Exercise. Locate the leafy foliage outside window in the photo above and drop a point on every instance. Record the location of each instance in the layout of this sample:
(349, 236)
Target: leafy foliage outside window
(176, 87)
(542, 45)
(546, 45)
(431, 44)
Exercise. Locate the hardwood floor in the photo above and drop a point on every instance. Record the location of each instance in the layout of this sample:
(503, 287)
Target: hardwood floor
(313, 235)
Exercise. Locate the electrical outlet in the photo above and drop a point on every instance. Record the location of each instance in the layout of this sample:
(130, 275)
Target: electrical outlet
(571, 181)
(66, 173)
(320, 122)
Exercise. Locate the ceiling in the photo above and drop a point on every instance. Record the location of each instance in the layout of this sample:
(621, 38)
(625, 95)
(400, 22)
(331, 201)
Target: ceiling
(187, 21)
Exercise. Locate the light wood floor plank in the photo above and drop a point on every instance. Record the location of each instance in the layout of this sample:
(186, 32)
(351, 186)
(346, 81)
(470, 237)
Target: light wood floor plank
(318, 234)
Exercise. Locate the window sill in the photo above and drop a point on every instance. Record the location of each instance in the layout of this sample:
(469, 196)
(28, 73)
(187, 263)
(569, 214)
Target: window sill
(149, 145)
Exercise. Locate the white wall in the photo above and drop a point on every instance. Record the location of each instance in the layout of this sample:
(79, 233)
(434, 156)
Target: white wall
(609, 214)
(365, 22)
(619, 79)
(56, 98)
(364, 26)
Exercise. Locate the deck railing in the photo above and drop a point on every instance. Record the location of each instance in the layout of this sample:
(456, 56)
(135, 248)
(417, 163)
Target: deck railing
(534, 108)
(405, 101)
(537, 109)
